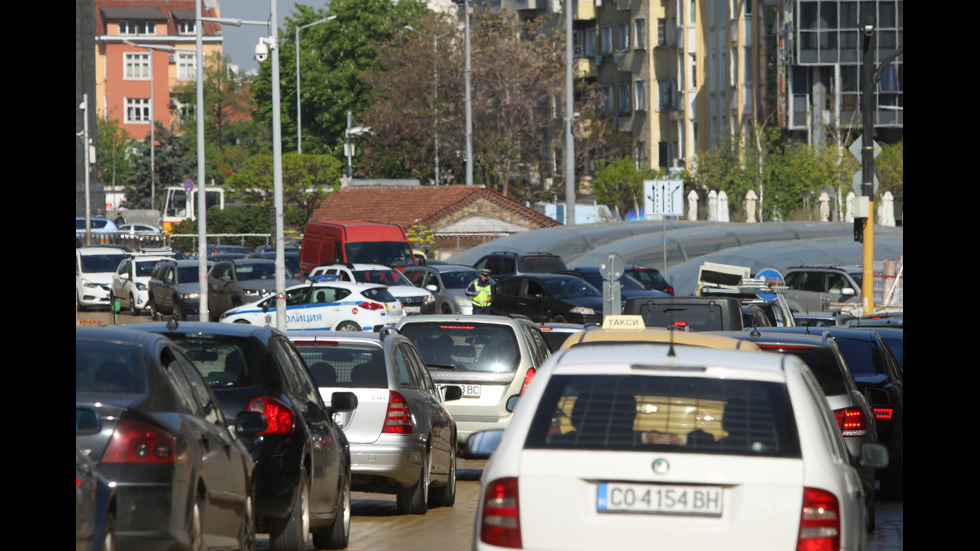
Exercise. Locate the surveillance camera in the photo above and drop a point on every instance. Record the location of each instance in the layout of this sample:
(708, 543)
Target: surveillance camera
(261, 52)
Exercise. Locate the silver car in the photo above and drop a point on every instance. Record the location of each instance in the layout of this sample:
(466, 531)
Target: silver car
(402, 437)
(447, 283)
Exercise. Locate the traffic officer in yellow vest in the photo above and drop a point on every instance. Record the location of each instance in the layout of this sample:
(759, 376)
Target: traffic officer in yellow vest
(482, 292)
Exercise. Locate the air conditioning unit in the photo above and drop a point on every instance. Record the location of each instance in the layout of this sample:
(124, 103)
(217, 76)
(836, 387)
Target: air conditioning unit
(172, 58)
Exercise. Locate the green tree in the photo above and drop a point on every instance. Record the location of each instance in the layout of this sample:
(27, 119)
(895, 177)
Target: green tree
(306, 180)
(890, 168)
(112, 152)
(174, 161)
(619, 183)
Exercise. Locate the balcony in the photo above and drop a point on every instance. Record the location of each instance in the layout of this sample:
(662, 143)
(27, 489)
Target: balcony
(585, 10)
(584, 67)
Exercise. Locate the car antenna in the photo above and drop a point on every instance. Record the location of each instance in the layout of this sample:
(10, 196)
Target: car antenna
(670, 351)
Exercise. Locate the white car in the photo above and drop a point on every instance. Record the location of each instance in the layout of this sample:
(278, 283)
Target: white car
(412, 298)
(336, 306)
(94, 268)
(129, 283)
(642, 446)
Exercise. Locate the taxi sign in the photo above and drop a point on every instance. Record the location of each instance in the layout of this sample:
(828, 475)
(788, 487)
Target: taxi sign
(623, 322)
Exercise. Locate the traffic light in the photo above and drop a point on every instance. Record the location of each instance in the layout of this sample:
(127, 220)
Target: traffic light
(859, 224)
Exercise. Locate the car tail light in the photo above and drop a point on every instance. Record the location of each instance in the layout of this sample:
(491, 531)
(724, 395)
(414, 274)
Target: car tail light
(680, 324)
(279, 418)
(527, 379)
(398, 419)
(669, 289)
(500, 523)
(135, 442)
(371, 306)
(883, 413)
(819, 521)
(851, 421)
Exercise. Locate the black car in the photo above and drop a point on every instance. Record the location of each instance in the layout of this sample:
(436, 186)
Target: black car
(649, 278)
(629, 287)
(232, 283)
(174, 289)
(548, 298)
(697, 313)
(877, 374)
(145, 416)
(291, 259)
(505, 263)
(302, 460)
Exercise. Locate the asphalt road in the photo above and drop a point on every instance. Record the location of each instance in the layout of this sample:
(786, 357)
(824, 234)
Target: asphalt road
(376, 525)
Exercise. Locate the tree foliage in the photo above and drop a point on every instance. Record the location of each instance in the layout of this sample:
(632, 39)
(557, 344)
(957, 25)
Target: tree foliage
(174, 161)
(619, 183)
(890, 168)
(112, 152)
(306, 180)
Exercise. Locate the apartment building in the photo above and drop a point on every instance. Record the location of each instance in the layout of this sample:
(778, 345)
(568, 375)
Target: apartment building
(129, 77)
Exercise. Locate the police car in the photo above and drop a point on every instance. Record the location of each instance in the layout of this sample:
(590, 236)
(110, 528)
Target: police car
(413, 298)
(330, 305)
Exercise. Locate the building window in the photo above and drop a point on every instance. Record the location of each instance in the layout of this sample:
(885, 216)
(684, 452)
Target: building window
(640, 95)
(137, 111)
(641, 155)
(137, 66)
(607, 106)
(606, 40)
(640, 26)
(186, 68)
(590, 42)
(661, 32)
(623, 37)
(624, 98)
(137, 27)
(185, 27)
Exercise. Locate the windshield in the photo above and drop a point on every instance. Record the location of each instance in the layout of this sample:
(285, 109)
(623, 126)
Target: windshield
(223, 361)
(665, 414)
(648, 277)
(458, 279)
(466, 346)
(344, 365)
(187, 274)
(389, 253)
(571, 288)
(380, 277)
(145, 268)
(96, 263)
(108, 367)
(245, 272)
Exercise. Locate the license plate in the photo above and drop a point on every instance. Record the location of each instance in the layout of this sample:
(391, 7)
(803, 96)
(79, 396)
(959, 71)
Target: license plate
(412, 309)
(471, 391)
(658, 499)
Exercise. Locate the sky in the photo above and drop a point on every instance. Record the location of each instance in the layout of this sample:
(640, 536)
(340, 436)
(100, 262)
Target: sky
(239, 42)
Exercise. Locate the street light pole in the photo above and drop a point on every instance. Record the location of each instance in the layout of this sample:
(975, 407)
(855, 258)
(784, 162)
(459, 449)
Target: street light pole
(299, 116)
(469, 100)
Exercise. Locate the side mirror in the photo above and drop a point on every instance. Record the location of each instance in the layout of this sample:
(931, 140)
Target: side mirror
(878, 397)
(847, 291)
(452, 392)
(343, 401)
(512, 402)
(250, 423)
(432, 288)
(482, 444)
(874, 456)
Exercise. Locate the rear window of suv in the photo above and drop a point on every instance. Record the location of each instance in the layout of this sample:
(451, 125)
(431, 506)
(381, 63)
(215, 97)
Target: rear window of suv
(540, 264)
(466, 346)
(224, 361)
(820, 360)
(346, 365)
(665, 414)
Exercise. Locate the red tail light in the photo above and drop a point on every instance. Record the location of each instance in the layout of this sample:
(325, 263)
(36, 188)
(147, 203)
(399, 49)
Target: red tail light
(669, 289)
(398, 419)
(819, 521)
(500, 523)
(135, 442)
(680, 324)
(279, 418)
(527, 379)
(851, 422)
(371, 306)
(883, 413)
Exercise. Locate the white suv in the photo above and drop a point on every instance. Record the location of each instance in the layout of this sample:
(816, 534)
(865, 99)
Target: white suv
(94, 267)
(129, 283)
(626, 446)
(411, 297)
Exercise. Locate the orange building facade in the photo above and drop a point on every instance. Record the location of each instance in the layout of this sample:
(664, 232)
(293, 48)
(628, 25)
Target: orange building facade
(126, 73)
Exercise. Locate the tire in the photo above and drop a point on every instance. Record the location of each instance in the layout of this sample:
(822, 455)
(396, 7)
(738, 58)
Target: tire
(446, 495)
(178, 313)
(869, 523)
(154, 315)
(109, 533)
(290, 534)
(78, 302)
(195, 536)
(348, 326)
(246, 532)
(243, 322)
(414, 500)
(446, 309)
(132, 306)
(337, 536)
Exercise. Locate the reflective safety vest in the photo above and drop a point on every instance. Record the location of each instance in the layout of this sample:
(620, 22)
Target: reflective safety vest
(483, 295)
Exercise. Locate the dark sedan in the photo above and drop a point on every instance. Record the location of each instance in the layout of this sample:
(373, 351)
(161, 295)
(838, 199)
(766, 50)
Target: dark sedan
(174, 289)
(145, 416)
(548, 298)
(628, 286)
(302, 460)
(232, 283)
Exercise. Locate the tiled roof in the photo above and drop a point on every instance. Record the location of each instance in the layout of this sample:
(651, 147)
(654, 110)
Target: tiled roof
(140, 9)
(410, 205)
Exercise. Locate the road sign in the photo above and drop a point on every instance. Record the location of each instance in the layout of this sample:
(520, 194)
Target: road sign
(858, 145)
(771, 274)
(663, 197)
(188, 186)
(858, 181)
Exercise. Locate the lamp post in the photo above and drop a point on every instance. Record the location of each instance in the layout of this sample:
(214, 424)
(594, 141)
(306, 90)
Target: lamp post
(299, 117)
(435, 90)
(469, 100)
